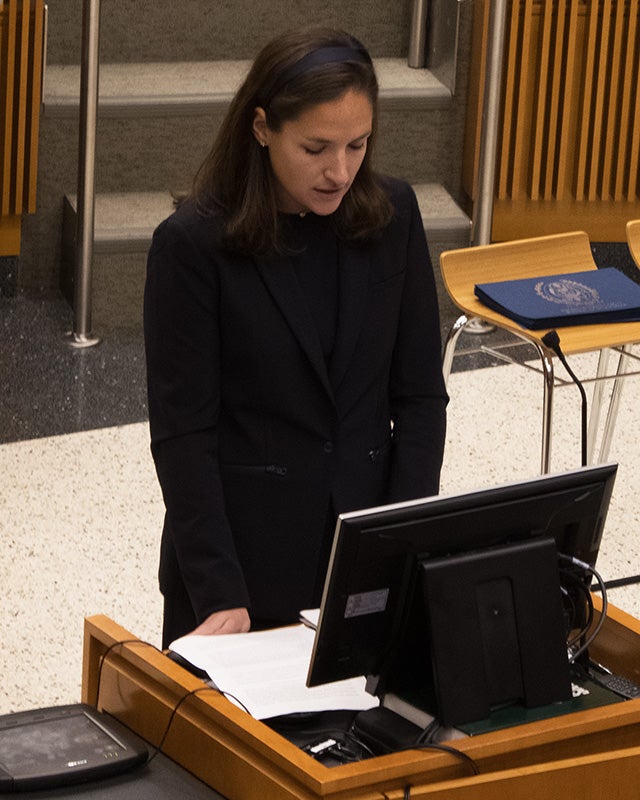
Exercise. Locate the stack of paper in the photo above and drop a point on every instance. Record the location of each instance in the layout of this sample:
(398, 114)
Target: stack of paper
(265, 671)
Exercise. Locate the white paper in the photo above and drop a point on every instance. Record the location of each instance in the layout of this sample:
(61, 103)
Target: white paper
(266, 672)
(310, 617)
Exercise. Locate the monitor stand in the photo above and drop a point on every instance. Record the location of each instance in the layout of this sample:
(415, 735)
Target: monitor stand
(495, 635)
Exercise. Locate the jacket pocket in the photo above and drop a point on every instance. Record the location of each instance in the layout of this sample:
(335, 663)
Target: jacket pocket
(378, 452)
(277, 470)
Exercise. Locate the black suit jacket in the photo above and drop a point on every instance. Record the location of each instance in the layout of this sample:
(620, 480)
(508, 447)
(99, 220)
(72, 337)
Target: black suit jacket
(254, 437)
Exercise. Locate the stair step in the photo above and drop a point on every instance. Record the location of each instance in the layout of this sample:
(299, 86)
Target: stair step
(125, 221)
(196, 87)
(442, 217)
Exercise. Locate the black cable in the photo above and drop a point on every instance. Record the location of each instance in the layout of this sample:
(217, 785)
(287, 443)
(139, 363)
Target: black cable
(585, 629)
(193, 692)
(552, 341)
(569, 606)
(429, 732)
(605, 603)
(590, 614)
(174, 711)
(104, 655)
(586, 595)
(631, 580)
(445, 748)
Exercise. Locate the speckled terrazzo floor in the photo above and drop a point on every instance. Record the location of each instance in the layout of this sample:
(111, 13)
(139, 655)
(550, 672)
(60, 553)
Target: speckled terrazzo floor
(80, 511)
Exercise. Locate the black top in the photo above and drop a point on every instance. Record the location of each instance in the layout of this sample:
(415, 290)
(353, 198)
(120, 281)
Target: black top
(315, 260)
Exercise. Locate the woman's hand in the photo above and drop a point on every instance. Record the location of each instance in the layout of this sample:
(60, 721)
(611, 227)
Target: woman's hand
(232, 620)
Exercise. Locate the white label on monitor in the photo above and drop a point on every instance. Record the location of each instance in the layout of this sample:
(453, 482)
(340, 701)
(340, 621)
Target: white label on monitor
(366, 603)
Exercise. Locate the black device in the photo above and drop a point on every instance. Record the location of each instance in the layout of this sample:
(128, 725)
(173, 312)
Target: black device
(61, 745)
(455, 604)
(622, 686)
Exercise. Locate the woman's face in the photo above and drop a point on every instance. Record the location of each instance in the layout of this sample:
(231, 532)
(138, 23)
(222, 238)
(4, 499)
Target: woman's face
(316, 156)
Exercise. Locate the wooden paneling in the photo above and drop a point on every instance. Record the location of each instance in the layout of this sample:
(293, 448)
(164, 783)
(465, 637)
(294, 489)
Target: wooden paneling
(10, 235)
(570, 129)
(21, 53)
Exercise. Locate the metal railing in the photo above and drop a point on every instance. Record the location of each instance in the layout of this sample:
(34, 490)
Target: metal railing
(81, 335)
(483, 207)
(418, 34)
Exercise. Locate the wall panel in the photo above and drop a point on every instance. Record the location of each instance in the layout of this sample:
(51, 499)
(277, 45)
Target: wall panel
(569, 152)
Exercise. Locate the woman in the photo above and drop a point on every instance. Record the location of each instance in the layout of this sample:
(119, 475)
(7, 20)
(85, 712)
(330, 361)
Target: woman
(293, 345)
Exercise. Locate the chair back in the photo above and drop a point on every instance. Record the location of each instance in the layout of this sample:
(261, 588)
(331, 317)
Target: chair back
(521, 258)
(633, 240)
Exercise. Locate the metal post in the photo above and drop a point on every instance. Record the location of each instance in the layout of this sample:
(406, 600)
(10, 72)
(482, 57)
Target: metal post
(81, 335)
(483, 208)
(418, 34)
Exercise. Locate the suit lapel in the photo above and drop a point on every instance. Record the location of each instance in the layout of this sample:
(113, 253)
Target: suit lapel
(280, 278)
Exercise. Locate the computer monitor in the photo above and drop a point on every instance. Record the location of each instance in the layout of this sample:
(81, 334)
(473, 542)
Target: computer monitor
(456, 603)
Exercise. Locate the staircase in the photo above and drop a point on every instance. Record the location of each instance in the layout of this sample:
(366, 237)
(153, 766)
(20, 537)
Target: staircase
(167, 74)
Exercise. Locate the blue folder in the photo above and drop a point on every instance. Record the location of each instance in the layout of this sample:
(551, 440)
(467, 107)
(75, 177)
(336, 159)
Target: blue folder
(574, 298)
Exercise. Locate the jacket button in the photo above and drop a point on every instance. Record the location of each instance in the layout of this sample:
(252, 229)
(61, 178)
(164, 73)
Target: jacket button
(328, 447)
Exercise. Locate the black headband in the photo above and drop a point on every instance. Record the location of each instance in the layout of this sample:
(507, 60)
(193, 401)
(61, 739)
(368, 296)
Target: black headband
(317, 58)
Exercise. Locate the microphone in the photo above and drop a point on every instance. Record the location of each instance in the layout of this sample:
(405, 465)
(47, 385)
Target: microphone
(552, 341)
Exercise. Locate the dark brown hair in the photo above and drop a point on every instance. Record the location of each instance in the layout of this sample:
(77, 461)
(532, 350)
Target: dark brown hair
(236, 177)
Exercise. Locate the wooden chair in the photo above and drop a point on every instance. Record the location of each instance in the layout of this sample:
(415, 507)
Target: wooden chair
(526, 258)
(633, 240)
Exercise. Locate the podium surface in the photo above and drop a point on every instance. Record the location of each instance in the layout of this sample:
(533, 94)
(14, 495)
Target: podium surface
(587, 754)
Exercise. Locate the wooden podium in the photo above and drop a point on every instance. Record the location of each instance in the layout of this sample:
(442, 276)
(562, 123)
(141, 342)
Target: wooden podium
(587, 755)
